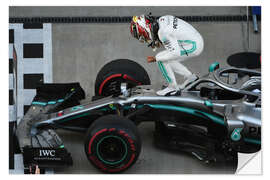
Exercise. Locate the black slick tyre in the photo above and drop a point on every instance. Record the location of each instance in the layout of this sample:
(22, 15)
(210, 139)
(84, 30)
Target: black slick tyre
(112, 144)
(114, 73)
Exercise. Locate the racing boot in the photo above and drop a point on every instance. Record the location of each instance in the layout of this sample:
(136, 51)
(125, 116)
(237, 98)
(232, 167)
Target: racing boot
(189, 80)
(170, 89)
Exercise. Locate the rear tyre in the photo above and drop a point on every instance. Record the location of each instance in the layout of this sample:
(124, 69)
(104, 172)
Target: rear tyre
(112, 144)
(118, 71)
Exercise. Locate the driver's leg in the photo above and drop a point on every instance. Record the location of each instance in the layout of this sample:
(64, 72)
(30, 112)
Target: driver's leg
(168, 74)
(179, 68)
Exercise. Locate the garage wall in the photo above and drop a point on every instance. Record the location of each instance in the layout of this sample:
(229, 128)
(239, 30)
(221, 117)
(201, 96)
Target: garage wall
(123, 10)
(80, 50)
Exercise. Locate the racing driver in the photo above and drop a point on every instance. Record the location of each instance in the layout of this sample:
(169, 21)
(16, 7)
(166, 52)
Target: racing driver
(181, 41)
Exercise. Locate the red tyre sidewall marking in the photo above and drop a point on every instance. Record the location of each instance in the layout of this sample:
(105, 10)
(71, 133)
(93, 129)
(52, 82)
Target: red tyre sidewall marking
(112, 129)
(98, 163)
(106, 80)
(92, 139)
(132, 79)
(125, 166)
(131, 142)
(114, 76)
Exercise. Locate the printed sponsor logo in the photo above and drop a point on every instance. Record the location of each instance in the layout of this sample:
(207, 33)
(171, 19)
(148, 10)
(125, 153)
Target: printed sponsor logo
(46, 153)
(175, 23)
(168, 45)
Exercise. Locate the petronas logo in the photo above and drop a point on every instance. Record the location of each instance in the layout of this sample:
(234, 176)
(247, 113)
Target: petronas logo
(236, 134)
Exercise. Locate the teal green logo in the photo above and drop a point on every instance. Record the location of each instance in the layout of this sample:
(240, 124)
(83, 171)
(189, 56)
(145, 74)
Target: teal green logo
(236, 134)
(77, 108)
(188, 51)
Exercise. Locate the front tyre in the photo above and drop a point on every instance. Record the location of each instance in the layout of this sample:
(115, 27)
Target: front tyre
(112, 144)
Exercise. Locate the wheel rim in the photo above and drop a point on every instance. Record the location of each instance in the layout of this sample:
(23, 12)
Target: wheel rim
(111, 149)
(112, 86)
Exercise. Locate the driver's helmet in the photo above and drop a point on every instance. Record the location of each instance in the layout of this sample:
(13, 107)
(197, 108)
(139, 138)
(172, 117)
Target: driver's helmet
(140, 28)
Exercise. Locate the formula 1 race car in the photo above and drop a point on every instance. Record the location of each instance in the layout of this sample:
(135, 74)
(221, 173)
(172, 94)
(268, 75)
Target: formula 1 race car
(212, 118)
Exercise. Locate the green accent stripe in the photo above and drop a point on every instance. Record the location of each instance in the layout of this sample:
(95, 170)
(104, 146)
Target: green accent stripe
(39, 103)
(164, 72)
(253, 141)
(76, 117)
(208, 103)
(160, 68)
(214, 118)
(108, 108)
(194, 112)
(79, 107)
(52, 102)
(44, 103)
(60, 100)
(105, 109)
(168, 77)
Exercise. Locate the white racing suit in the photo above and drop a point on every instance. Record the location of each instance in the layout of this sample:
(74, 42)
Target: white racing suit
(181, 42)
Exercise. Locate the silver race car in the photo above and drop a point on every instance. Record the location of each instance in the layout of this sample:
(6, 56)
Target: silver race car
(212, 118)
